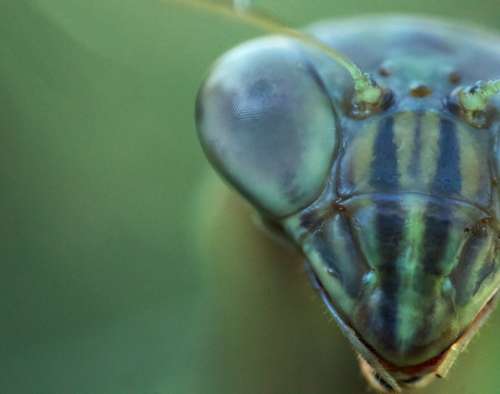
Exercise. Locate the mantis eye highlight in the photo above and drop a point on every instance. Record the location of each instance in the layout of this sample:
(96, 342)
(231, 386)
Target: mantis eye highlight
(267, 125)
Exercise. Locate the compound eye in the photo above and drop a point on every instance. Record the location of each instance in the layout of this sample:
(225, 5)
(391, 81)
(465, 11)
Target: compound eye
(267, 125)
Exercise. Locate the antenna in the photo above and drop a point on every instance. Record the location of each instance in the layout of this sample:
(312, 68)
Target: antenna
(475, 99)
(368, 96)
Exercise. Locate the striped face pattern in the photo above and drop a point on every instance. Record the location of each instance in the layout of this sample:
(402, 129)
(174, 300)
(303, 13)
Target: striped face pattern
(421, 152)
(409, 249)
(397, 213)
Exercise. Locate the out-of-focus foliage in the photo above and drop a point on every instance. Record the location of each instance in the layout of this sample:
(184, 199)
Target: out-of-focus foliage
(101, 289)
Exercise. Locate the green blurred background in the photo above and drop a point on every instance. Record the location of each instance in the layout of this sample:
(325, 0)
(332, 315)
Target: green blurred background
(101, 287)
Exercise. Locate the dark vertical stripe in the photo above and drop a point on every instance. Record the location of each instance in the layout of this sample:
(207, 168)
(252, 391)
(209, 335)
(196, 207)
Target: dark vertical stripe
(390, 235)
(384, 175)
(437, 227)
(448, 178)
(438, 220)
(388, 227)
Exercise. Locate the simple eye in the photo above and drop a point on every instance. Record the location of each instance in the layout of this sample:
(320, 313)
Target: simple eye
(267, 125)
